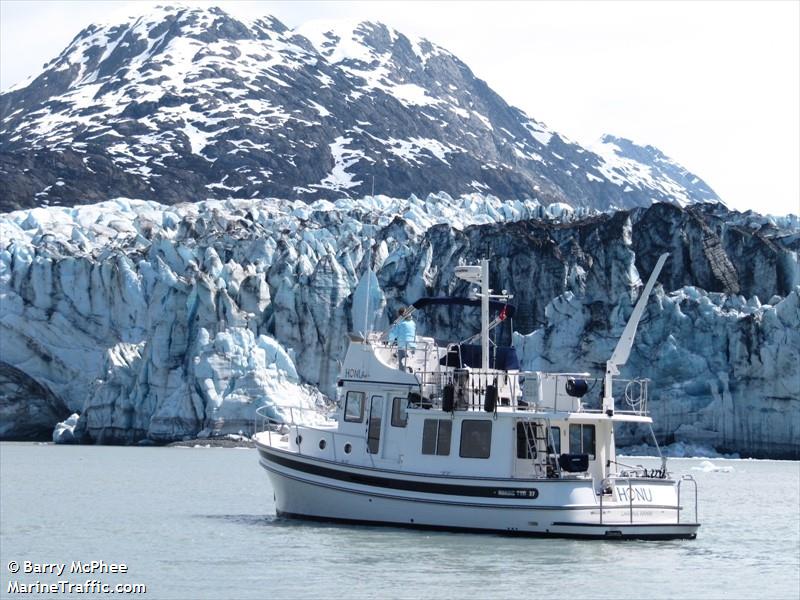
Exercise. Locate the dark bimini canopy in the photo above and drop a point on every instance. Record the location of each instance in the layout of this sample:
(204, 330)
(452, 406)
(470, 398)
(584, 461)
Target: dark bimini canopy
(503, 358)
(451, 301)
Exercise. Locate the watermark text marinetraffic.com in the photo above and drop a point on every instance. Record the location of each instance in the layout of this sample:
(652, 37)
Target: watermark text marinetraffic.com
(76, 577)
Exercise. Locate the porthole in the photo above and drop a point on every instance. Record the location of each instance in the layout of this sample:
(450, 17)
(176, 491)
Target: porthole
(322, 444)
(348, 448)
(298, 440)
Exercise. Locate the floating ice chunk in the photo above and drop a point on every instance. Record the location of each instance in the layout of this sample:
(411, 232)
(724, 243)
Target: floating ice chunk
(64, 432)
(708, 467)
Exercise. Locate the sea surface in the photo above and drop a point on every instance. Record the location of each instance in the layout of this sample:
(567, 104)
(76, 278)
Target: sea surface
(200, 523)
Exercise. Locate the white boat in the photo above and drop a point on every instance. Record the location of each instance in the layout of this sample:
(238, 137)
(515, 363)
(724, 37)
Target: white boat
(460, 439)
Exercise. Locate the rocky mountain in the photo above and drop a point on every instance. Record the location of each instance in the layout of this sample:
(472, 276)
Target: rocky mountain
(186, 104)
(151, 322)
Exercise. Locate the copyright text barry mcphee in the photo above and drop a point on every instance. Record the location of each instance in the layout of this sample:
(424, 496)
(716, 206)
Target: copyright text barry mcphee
(76, 566)
(84, 586)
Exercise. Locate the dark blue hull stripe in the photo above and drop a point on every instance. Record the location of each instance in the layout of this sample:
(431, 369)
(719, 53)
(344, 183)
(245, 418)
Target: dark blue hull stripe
(424, 487)
(377, 494)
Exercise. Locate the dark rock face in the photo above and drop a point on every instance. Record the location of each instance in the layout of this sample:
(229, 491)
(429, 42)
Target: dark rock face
(187, 104)
(28, 408)
(712, 252)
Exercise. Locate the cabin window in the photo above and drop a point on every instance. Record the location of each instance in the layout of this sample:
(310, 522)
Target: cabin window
(476, 439)
(354, 407)
(399, 414)
(582, 440)
(374, 428)
(436, 435)
(554, 443)
(526, 442)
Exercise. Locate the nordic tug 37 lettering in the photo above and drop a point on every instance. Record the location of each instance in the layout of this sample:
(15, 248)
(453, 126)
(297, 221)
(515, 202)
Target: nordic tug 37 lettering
(458, 438)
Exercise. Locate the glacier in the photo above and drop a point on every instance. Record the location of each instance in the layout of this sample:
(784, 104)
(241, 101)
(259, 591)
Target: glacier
(130, 321)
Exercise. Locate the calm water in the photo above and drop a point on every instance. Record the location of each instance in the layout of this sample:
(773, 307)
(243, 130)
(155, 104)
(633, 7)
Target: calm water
(200, 523)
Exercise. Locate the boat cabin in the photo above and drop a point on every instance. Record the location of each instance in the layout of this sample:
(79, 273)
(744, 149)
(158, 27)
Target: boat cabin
(436, 416)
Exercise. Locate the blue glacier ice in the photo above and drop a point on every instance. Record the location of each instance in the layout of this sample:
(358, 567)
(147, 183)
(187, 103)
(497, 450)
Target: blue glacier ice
(161, 323)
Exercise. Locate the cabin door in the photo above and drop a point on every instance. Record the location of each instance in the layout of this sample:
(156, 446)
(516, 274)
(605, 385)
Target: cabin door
(374, 424)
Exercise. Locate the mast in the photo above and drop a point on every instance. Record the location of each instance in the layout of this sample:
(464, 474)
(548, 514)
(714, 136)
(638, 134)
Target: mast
(623, 349)
(367, 320)
(479, 274)
(485, 314)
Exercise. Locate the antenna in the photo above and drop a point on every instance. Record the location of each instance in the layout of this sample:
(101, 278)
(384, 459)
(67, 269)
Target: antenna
(485, 291)
(366, 304)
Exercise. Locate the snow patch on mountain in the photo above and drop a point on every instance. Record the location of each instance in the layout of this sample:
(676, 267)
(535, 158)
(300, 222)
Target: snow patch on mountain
(411, 149)
(346, 45)
(626, 164)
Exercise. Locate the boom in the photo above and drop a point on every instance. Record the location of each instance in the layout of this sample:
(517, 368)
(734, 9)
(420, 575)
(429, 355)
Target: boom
(625, 343)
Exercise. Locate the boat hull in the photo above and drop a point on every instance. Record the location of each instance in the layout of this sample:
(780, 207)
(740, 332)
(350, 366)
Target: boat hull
(321, 490)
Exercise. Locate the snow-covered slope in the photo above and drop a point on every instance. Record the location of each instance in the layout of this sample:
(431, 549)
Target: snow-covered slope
(625, 163)
(185, 104)
(158, 322)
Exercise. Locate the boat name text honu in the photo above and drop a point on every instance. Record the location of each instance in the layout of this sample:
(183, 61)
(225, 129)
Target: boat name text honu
(356, 374)
(640, 494)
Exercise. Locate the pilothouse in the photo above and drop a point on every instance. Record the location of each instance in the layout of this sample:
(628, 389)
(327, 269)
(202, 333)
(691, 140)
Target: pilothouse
(457, 437)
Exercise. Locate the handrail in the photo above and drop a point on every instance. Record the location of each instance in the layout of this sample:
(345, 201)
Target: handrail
(431, 385)
(268, 424)
(261, 412)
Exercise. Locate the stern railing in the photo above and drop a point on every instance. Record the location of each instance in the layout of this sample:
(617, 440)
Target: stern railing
(691, 479)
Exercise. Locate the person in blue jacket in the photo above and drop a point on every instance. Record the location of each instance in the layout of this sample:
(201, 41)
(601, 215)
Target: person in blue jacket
(404, 332)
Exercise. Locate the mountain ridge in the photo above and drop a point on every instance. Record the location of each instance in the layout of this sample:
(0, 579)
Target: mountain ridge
(184, 104)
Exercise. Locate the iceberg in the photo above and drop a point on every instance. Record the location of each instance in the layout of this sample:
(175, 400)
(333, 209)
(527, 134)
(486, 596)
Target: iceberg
(708, 467)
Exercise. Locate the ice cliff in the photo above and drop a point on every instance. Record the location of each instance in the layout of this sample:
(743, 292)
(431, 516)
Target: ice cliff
(155, 322)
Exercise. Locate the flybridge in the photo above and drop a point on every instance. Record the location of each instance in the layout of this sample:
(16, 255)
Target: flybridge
(430, 436)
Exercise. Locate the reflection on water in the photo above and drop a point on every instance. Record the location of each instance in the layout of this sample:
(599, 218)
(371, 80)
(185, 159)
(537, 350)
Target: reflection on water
(248, 520)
